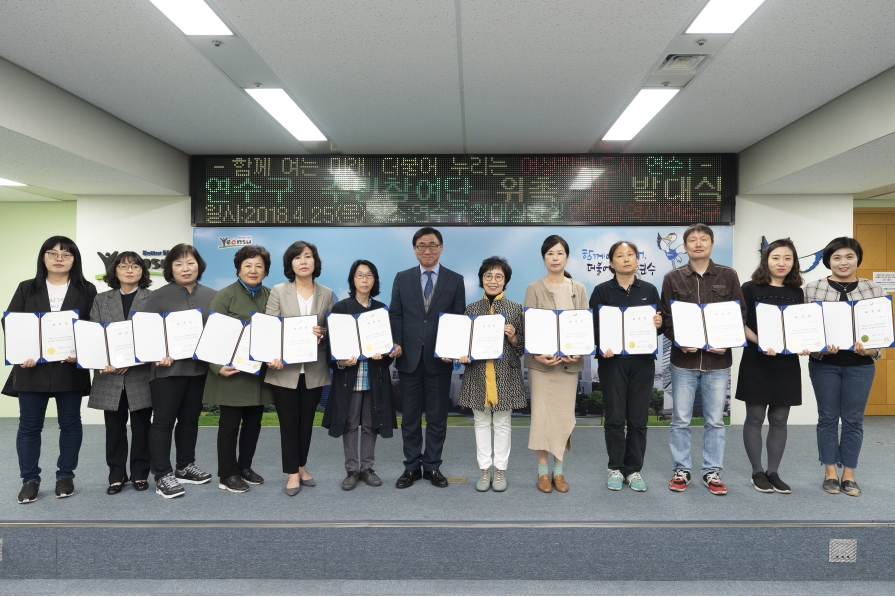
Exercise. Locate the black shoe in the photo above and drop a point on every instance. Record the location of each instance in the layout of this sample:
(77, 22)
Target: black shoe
(851, 488)
(350, 481)
(115, 488)
(29, 492)
(192, 474)
(168, 487)
(370, 478)
(778, 484)
(831, 485)
(64, 487)
(437, 479)
(760, 483)
(407, 479)
(234, 484)
(251, 477)
(141, 485)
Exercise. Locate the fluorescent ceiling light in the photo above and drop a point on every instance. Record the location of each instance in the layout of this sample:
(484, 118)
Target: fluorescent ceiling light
(278, 103)
(723, 16)
(193, 17)
(640, 111)
(11, 183)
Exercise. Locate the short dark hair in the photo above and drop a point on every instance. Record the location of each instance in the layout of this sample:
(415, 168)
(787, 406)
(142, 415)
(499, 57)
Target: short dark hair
(424, 231)
(296, 249)
(699, 227)
(842, 242)
(351, 289)
(249, 251)
(762, 273)
(75, 274)
(111, 277)
(615, 247)
(550, 242)
(495, 263)
(178, 252)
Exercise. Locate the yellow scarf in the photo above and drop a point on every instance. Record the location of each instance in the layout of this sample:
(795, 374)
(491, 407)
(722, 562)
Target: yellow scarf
(490, 376)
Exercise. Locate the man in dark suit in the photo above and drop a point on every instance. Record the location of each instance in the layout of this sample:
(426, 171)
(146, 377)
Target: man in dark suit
(419, 295)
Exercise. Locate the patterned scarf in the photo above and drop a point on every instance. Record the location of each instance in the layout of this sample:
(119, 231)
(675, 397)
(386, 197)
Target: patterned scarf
(490, 376)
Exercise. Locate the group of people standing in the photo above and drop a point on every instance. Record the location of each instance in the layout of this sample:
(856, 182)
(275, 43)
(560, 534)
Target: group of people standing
(164, 400)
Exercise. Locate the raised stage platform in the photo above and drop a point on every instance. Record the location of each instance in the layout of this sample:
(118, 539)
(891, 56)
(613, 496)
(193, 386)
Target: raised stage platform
(456, 533)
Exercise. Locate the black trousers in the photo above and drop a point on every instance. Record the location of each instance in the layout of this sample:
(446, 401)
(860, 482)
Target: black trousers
(295, 409)
(116, 442)
(627, 384)
(229, 436)
(422, 390)
(176, 399)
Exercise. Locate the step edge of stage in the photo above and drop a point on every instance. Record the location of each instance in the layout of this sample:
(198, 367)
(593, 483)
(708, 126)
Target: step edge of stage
(446, 524)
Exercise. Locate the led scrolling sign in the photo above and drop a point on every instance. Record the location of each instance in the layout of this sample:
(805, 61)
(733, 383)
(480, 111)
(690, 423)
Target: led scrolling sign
(484, 190)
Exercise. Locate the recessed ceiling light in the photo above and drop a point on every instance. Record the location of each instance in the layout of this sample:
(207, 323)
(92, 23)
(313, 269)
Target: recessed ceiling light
(723, 16)
(279, 105)
(640, 111)
(11, 183)
(193, 17)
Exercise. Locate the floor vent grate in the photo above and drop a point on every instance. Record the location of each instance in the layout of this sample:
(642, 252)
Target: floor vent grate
(843, 550)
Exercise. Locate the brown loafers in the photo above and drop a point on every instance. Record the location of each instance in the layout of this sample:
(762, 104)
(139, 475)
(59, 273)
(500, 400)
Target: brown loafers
(560, 482)
(544, 484)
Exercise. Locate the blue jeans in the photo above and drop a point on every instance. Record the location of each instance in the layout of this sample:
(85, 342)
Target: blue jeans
(841, 393)
(714, 395)
(32, 411)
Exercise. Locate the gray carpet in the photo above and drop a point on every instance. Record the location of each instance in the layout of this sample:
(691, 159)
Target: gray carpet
(588, 500)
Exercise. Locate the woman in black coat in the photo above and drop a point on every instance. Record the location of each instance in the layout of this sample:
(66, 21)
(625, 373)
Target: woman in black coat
(361, 391)
(58, 286)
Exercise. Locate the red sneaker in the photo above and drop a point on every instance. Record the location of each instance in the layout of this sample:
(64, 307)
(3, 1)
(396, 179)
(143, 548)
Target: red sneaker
(680, 480)
(713, 482)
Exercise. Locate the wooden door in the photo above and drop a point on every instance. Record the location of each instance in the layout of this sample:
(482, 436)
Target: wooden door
(875, 230)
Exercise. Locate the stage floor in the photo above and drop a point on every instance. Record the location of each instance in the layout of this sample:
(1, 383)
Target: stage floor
(588, 501)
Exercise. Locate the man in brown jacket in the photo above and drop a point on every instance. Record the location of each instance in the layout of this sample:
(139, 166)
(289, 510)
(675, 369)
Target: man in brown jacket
(699, 281)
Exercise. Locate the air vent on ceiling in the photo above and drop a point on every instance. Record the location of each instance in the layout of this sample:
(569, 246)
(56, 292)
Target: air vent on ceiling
(682, 62)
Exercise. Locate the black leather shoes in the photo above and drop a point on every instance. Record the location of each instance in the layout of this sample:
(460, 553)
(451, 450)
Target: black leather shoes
(407, 479)
(141, 485)
(437, 479)
(115, 488)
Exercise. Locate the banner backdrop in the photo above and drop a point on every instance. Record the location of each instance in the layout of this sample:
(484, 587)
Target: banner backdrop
(660, 250)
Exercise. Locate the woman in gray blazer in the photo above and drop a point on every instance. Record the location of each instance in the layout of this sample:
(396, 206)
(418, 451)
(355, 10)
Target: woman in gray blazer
(297, 388)
(122, 392)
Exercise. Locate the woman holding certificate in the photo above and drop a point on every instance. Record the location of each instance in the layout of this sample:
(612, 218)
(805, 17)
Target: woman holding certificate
(177, 386)
(627, 379)
(770, 382)
(123, 393)
(492, 388)
(297, 387)
(361, 392)
(554, 379)
(842, 377)
(240, 394)
(59, 286)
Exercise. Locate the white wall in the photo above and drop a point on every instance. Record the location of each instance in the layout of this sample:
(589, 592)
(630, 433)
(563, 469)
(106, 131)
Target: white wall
(810, 221)
(107, 224)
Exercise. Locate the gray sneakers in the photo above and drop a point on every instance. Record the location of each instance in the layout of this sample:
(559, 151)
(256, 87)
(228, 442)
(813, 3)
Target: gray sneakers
(484, 483)
(350, 481)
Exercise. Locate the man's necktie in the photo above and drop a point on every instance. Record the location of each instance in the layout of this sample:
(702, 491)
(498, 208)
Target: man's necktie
(428, 289)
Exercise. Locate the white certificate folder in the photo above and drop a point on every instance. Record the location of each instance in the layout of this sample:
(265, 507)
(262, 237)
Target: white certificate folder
(628, 330)
(708, 325)
(219, 340)
(475, 336)
(359, 335)
(568, 332)
(43, 337)
(790, 329)
(100, 345)
(159, 335)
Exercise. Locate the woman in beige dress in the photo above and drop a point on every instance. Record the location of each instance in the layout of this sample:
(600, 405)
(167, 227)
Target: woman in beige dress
(554, 379)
